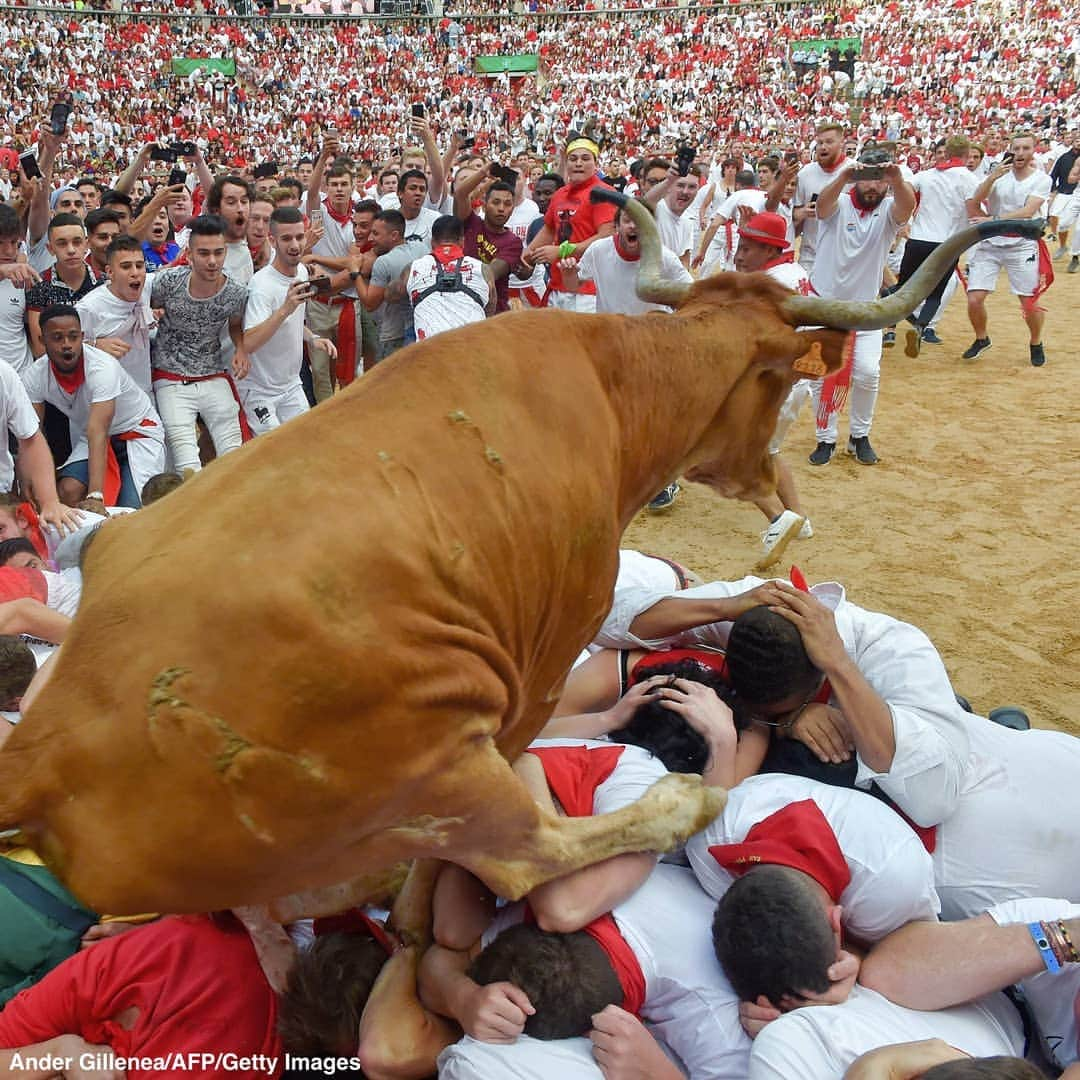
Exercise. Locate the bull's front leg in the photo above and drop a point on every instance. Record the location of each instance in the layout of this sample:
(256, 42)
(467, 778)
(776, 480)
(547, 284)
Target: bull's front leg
(513, 845)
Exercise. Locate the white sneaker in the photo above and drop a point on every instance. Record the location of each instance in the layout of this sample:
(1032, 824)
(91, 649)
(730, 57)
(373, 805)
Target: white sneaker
(807, 530)
(777, 536)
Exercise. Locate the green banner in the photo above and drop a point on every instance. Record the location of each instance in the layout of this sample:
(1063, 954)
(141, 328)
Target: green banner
(820, 45)
(521, 64)
(185, 65)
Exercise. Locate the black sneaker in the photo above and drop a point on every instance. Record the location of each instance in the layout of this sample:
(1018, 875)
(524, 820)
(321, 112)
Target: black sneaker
(863, 451)
(823, 454)
(929, 336)
(1038, 356)
(912, 344)
(665, 500)
(979, 345)
(888, 339)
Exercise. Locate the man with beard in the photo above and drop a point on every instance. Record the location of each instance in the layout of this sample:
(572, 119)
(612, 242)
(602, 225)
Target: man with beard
(854, 233)
(230, 199)
(116, 434)
(117, 318)
(1015, 189)
(571, 224)
(814, 177)
(274, 329)
(489, 239)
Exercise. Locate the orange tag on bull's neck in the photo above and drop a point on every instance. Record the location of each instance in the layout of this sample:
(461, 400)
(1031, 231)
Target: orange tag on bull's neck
(811, 363)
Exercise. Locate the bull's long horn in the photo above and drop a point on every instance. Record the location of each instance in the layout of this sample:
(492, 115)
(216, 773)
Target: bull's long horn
(651, 286)
(874, 314)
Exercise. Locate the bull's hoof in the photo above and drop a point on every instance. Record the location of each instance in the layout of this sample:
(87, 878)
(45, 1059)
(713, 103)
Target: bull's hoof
(680, 805)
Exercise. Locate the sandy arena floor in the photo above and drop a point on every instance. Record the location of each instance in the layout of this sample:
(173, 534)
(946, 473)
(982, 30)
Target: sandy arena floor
(965, 528)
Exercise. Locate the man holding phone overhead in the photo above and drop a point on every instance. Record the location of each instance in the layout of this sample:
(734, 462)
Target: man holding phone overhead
(274, 329)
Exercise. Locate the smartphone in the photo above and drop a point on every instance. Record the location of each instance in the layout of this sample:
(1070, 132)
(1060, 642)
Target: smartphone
(58, 118)
(1007, 159)
(316, 218)
(163, 153)
(467, 141)
(791, 157)
(28, 164)
(177, 176)
(183, 149)
(813, 199)
(508, 176)
(320, 285)
(684, 159)
(418, 110)
(871, 172)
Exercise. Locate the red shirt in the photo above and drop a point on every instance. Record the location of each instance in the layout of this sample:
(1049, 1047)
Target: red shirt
(198, 989)
(570, 205)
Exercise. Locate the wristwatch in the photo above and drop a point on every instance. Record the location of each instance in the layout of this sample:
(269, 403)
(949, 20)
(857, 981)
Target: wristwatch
(353, 275)
(95, 495)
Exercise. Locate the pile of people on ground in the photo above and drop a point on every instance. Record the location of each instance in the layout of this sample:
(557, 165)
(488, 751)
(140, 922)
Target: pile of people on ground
(890, 890)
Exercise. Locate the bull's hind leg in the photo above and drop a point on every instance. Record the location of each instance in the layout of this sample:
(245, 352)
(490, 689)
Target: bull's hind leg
(513, 846)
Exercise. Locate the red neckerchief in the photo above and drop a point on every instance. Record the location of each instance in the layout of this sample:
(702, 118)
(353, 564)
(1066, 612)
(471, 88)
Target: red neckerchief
(798, 836)
(448, 253)
(622, 254)
(575, 772)
(354, 921)
(341, 219)
(829, 172)
(861, 210)
(33, 529)
(952, 163)
(70, 383)
(779, 260)
(160, 251)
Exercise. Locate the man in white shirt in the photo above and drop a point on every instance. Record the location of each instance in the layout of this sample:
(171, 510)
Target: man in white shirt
(1012, 189)
(763, 248)
(611, 263)
(943, 194)
(274, 329)
(117, 439)
(672, 199)
(813, 178)
(117, 318)
(412, 195)
(855, 230)
(14, 344)
(448, 288)
(721, 240)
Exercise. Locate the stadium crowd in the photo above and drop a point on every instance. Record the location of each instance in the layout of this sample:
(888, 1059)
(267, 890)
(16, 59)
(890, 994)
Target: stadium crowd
(188, 262)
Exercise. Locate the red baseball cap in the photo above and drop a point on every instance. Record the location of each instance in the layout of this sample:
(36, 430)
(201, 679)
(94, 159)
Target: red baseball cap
(768, 228)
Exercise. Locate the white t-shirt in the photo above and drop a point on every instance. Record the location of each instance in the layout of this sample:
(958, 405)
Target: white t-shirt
(105, 380)
(103, 314)
(445, 310)
(1010, 194)
(419, 228)
(852, 246)
(792, 276)
(19, 418)
(943, 202)
(892, 875)
(275, 367)
(725, 240)
(616, 278)
(525, 213)
(675, 230)
(821, 1042)
(636, 572)
(14, 343)
(811, 182)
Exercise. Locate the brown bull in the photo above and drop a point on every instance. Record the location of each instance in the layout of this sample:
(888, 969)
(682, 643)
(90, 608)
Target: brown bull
(318, 657)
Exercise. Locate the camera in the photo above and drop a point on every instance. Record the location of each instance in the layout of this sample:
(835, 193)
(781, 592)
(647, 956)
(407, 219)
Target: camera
(183, 149)
(684, 159)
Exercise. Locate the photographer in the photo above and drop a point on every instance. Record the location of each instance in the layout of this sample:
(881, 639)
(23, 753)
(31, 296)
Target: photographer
(274, 330)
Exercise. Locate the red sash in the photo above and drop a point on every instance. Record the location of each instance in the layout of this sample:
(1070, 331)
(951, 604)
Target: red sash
(113, 479)
(1046, 279)
(354, 921)
(605, 932)
(33, 529)
(798, 836)
(171, 376)
(345, 365)
(834, 390)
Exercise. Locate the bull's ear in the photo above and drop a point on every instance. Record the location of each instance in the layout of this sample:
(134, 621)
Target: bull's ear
(809, 354)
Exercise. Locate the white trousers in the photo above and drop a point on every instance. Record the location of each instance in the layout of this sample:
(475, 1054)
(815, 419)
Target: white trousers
(266, 411)
(181, 404)
(862, 396)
